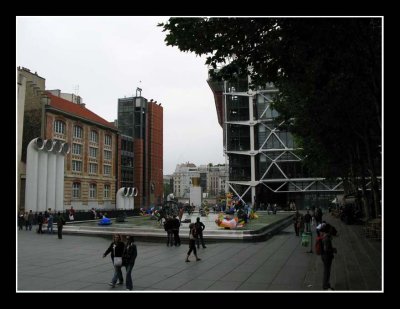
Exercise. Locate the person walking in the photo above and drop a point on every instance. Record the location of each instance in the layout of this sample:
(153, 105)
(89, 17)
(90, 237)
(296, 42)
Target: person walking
(129, 257)
(168, 225)
(296, 223)
(318, 215)
(180, 213)
(60, 224)
(199, 226)
(117, 249)
(327, 251)
(192, 242)
(50, 222)
(71, 214)
(307, 228)
(20, 220)
(175, 230)
(26, 220)
(40, 220)
(30, 219)
(307, 221)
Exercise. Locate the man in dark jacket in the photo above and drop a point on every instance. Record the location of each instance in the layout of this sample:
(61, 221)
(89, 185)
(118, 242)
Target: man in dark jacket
(175, 229)
(327, 256)
(199, 226)
(60, 224)
(40, 220)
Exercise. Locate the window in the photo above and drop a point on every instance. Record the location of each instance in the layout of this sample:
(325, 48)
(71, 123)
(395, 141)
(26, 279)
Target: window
(59, 127)
(94, 137)
(76, 190)
(107, 155)
(78, 132)
(92, 152)
(76, 166)
(92, 190)
(106, 191)
(77, 149)
(107, 140)
(92, 168)
(107, 169)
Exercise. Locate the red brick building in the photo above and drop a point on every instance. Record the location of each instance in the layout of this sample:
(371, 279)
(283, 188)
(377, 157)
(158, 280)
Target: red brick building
(90, 170)
(155, 152)
(143, 121)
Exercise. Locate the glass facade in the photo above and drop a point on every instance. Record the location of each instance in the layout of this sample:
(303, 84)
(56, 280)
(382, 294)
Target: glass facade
(237, 108)
(264, 162)
(132, 124)
(238, 137)
(127, 157)
(125, 116)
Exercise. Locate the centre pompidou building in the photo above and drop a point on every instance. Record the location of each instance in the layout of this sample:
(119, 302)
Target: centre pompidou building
(264, 162)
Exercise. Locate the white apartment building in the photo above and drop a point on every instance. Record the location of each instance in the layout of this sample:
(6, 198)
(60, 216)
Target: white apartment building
(212, 179)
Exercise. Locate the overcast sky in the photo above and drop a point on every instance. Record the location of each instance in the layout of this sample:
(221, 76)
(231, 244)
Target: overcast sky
(109, 57)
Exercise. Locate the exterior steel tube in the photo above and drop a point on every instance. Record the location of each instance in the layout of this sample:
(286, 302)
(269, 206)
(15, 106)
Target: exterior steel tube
(134, 193)
(42, 176)
(120, 198)
(64, 148)
(126, 199)
(130, 198)
(31, 185)
(51, 175)
(59, 179)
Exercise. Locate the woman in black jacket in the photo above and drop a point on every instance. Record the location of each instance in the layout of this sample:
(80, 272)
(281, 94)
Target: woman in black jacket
(129, 258)
(117, 249)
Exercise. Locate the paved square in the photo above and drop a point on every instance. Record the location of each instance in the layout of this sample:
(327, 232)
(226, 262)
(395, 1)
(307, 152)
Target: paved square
(75, 263)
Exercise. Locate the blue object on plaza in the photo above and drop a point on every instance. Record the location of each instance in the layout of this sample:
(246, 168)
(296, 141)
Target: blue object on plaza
(105, 221)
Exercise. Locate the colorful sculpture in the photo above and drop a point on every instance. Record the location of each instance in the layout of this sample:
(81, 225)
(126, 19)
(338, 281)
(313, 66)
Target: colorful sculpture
(228, 223)
(253, 214)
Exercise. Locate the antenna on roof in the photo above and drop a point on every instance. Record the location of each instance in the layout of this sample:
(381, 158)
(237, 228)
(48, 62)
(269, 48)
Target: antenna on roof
(138, 89)
(76, 89)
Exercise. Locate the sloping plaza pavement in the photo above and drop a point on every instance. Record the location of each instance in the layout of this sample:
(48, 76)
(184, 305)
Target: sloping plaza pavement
(75, 263)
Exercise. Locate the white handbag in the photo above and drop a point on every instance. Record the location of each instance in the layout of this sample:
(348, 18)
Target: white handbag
(117, 261)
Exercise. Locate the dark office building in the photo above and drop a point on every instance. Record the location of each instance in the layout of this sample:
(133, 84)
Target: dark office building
(126, 159)
(143, 121)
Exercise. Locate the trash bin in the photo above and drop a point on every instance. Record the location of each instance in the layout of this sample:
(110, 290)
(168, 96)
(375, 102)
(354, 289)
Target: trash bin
(305, 239)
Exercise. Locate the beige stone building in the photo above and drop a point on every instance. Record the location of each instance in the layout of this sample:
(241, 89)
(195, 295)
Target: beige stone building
(30, 88)
(90, 165)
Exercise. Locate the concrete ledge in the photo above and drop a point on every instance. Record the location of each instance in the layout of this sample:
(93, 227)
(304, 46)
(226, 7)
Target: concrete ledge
(159, 235)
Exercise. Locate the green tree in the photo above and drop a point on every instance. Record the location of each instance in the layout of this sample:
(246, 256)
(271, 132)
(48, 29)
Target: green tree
(328, 71)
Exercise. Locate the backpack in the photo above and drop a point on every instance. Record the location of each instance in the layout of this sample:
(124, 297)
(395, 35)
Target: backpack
(318, 245)
(332, 229)
(198, 228)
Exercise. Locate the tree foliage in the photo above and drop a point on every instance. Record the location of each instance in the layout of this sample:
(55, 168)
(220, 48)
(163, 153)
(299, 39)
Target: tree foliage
(328, 71)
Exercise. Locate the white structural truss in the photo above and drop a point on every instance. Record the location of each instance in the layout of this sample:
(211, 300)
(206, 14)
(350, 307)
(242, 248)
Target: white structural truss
(254, 139)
